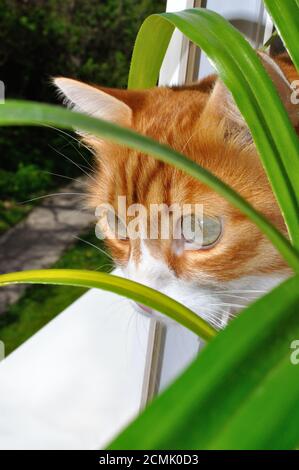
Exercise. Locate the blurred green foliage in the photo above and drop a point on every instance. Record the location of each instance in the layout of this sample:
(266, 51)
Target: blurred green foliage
(91, 40)
(27, 179)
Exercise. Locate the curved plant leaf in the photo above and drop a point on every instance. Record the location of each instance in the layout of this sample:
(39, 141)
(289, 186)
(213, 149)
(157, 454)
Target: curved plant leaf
(119, 285)
(285, 16)
(242, 72)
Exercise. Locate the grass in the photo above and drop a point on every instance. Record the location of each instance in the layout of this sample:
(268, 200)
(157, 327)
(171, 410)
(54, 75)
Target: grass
(11, 213)
(40, 304)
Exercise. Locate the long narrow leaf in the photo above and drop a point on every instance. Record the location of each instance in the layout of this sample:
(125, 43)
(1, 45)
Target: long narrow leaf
(240, 393)
(285, 15)
(253, 91)
(119, 285)
(28, 113)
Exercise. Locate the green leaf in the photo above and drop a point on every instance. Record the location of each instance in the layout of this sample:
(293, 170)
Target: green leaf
(242, 72)
(285, 16)
(119, 285)
(29, 113)
(240, 393)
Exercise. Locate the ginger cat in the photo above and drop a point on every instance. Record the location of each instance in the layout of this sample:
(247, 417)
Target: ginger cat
(234, 262)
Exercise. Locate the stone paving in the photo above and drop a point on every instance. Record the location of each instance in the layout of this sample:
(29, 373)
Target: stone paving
(39, 240)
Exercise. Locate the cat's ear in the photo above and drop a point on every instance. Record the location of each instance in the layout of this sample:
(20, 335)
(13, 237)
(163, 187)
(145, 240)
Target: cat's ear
(221, 103)
(93, 101)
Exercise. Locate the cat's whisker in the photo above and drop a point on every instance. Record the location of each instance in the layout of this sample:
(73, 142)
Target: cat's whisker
(74, 163)
(51, 195)
(213, 316)
(187, 141)
(220, 316)
(229, 305)
(217, 324)
(106, 265)
(248, 291)
(232, 315)
(241, 297)
(225, 315)
(94, 246)
(224, 293)
(79, 142)
(77, 150)
(61, 176)
(213, 313)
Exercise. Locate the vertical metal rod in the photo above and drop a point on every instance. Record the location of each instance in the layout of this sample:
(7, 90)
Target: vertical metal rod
(154, 359)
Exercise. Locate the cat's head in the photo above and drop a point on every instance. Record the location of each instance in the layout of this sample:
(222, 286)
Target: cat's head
(233, 262)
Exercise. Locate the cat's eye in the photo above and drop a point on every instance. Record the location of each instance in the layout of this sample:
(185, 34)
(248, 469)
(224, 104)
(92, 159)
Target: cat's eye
(200, 232)
(117, 227)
